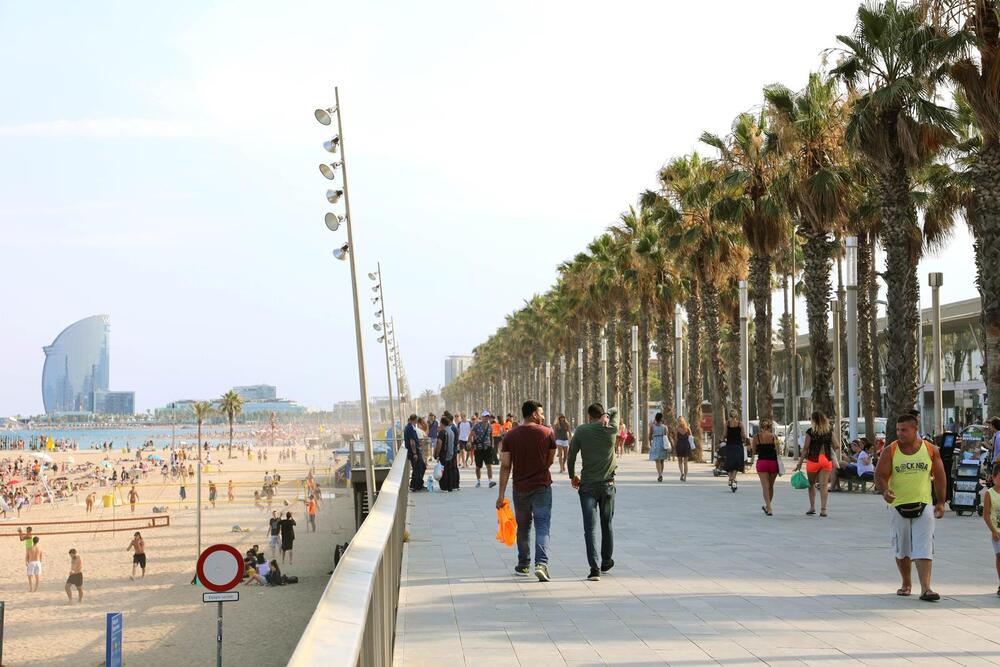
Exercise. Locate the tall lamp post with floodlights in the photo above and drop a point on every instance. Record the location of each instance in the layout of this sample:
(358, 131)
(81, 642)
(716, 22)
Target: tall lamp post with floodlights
(347, 252)
(384, 339)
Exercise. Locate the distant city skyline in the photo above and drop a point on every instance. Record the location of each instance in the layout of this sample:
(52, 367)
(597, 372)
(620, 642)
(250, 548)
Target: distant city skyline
(177, 188)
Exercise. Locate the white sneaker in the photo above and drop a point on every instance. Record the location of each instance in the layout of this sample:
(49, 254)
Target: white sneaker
(478, 484)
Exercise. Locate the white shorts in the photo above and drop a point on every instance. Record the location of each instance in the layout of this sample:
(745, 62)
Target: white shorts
(34, 568)
(912, 538)
(562, 443)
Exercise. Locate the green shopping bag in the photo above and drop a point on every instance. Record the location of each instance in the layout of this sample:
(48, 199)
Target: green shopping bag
(799, 480)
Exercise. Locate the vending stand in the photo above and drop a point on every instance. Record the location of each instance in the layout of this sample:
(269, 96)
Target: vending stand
(965, 498)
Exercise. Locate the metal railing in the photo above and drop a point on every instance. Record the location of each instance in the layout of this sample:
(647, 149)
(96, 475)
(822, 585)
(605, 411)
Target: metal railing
(355, 620)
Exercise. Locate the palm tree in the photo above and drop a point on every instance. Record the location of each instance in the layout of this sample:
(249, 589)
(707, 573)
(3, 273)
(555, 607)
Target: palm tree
(750, 158)
(895, 60)
(231, 405)
(815, 186)
(202, 411)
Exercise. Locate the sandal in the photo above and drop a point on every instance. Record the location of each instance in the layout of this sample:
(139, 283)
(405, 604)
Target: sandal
(762, 507)
(905, 592)
(929, 596)
(822, 512)
(998, 591)
(810, 512)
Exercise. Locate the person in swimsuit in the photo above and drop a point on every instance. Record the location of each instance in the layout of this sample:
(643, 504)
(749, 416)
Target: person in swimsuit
(763, 447)
(683, 447)
(75, 577)
(736, 436)
(91, 497)
(818, 449)
(231, 491)
(33, 564)
(133, 498)
(138, 546)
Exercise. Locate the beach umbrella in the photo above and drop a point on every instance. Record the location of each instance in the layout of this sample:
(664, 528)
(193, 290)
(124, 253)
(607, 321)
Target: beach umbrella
(107, 464)
(42, 456)
(70, 459)
(14, 482)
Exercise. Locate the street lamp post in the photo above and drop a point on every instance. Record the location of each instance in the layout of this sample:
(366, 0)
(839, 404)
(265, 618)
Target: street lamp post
(678, 362)
(936, 280)
(579, 386)
(852, 337)
(744, 358)
(835, 308)
(349, 250)
(384, 338)
(636, 423)
(604, 369)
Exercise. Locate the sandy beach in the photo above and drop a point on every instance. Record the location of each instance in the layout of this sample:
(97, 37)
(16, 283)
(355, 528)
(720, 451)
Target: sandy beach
(165, 621)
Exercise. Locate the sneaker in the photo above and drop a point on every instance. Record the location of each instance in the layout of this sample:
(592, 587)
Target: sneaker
(522, 571)
(607, 566)
(478, 484)
(492, 484)
(542, 572)
(595, 574)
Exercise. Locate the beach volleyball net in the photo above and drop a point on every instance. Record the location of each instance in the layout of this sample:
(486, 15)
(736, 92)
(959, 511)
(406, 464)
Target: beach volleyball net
(86, 526)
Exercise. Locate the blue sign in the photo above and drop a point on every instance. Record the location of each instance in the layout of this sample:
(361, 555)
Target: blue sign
(113, 647)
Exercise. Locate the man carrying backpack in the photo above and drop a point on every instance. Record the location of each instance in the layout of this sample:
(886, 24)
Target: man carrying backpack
(482, 446)
(904, 475)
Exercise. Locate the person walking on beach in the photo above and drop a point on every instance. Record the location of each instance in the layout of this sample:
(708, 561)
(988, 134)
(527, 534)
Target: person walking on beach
(683, 448)
(482, 443)
(138, 548)
(527, 452)
(417, 465)
(595, 442)
(75, 577)
(311, 514)
(904, 475)
(274, 533)
(182, 492)
(736, 437)
(563, 434)
(33, 564)
(133, 498)
(231, 492)
(287, 529)
(659, 447)
(213, 493)
(817, 452)
(763, 447)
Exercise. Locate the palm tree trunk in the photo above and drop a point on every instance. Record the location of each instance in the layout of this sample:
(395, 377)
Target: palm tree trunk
(760, 284)
(720, 389)
(614, 362)
(986, 228)
(644, 322)
(665, 356)
(230, 436)
(732, 335)
(816, 278)
(866, 347)
(694, 385)
(902, 241)
(842, 343)
(788, 341)
(594, 363)
(871, 285)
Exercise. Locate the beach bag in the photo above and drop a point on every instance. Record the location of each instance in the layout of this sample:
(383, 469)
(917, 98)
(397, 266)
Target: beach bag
(506, 524)
(799, 480)
(438, 472)
(291, 580)
(781, 466)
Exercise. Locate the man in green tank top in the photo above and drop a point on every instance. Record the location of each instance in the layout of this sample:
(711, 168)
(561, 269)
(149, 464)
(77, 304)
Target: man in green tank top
(906, 469)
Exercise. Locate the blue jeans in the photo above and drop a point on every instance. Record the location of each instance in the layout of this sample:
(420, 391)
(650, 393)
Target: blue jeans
(534, 505)
(597, 500)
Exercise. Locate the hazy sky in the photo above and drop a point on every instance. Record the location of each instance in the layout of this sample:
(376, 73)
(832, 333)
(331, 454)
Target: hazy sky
(160, 165)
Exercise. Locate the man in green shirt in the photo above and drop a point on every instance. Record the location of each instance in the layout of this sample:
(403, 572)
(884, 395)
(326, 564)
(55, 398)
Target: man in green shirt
(595, 442)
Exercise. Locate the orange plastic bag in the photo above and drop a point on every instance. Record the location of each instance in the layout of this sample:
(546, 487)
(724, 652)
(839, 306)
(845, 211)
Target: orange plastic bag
(506, 524)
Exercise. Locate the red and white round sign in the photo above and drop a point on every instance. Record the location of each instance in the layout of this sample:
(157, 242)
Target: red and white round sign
(220, 568)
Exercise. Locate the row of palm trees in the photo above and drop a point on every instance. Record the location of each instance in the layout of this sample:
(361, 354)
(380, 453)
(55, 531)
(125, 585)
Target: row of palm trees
(230, 405)
(891, 146)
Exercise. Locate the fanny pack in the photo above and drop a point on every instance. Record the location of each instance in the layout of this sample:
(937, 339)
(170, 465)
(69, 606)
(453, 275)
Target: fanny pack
(911, 510)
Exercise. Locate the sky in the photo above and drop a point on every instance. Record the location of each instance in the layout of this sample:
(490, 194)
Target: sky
(160, 165)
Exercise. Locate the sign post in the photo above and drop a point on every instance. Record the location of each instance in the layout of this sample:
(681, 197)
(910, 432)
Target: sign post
(220, 568)
(113, 643)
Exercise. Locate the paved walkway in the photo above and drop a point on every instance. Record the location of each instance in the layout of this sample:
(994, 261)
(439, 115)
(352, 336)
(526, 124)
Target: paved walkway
(702, 577)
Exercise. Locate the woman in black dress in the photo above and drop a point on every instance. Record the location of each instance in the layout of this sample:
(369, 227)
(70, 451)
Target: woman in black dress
(683, 447)
(287, 529)
(735, 455)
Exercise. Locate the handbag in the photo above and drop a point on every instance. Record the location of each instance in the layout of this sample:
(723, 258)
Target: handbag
(438, 472)
(781, 466)
(799, 480)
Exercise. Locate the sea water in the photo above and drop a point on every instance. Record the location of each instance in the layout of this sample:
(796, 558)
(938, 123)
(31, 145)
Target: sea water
(93, 438)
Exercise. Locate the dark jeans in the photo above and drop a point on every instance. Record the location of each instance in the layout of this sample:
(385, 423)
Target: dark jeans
(534, 505)
(597, 500)
(417, 470)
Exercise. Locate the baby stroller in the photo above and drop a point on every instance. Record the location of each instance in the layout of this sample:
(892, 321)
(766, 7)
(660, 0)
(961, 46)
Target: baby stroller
(720, 460)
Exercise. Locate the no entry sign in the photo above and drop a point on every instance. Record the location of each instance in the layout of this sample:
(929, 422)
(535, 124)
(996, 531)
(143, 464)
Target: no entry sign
(220, 568)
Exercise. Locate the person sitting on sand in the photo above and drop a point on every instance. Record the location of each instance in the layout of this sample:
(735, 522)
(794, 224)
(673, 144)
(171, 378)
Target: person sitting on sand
(274, 576)
(252, 578)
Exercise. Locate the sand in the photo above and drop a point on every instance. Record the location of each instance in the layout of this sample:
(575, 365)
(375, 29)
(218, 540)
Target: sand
(165, 621)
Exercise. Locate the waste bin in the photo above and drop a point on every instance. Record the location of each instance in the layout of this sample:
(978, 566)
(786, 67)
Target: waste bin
(109, 500)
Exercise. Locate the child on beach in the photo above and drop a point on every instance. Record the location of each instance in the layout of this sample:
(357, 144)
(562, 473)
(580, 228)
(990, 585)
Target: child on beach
(991, 515)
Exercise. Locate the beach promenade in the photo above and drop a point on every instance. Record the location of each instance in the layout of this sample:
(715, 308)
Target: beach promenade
(702, 577)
